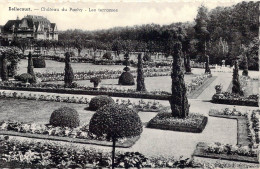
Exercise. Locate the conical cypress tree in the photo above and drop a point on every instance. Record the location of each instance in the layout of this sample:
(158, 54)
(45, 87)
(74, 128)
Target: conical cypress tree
(30, 68)
(187, 64)
(69, 76)
(4, 70)
(140, 75)
(236, 89)
(207, 69)
(245, 71)
(178, 101)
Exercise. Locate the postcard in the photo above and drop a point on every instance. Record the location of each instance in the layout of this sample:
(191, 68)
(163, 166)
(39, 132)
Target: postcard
(129, 84)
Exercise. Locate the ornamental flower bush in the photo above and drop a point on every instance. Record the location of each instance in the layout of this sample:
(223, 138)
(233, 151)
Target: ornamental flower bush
(65, 117)
(95, 81)
(227, 112)
(100, 101)
(25, 78)
(219, 148)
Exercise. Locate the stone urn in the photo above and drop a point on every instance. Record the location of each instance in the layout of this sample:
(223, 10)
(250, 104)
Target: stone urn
(218, 89)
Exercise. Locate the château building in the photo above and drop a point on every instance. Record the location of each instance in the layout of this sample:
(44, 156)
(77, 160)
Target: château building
(31, 26)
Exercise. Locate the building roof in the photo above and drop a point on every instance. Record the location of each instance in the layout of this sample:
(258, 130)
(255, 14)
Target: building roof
(8, 26)
(31, 22)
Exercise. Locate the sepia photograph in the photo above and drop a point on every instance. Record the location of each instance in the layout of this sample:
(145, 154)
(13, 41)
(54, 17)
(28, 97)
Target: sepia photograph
(129, 84)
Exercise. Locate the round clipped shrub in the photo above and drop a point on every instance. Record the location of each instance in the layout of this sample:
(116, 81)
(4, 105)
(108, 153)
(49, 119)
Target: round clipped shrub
(25, 77)
(147, 58)
(126, 78)
(100, 101)
(65, 117)
(115, 121)
(39, 62)
(107, 56)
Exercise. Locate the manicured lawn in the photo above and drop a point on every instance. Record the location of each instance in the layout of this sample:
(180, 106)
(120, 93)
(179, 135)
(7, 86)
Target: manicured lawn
(54, 66)
(37, 111)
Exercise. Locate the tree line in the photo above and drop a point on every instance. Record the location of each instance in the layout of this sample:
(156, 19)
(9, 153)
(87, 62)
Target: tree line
(223, 33)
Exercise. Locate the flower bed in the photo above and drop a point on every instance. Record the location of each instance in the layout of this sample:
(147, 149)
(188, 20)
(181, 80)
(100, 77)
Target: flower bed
(227, 113)
(73, 59)
(14, 153)
(253, 127)
(234, 99)
(82, 90)
(40, 97)
(227, 152)
(42, 131)
(141, 106)
(194, 123)
(103, 74)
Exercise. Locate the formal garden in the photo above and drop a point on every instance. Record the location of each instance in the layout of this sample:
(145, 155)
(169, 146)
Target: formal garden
(156, 104)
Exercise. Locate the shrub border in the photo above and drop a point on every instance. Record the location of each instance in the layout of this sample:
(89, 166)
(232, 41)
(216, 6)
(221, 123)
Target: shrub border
(127, 144)
(161, 126)
(200, 152)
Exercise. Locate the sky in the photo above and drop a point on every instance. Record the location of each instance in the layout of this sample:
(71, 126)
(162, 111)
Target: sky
(127, 13)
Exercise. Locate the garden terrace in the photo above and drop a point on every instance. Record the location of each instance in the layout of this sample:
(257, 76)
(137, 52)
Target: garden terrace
(40, 111)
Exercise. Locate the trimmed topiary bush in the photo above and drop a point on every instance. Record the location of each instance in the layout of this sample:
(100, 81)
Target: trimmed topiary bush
(95, 81)
(100, 101)
(107, 56)
(69, 75)
(147, 58)
(140, 75)
(65, 117)
(126, 78)
(25, 77)
(115, 122)
(236, 88)
(39, 62)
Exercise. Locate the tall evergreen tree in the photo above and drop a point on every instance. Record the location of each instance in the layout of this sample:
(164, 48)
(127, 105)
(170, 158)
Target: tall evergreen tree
(207, 69)
(4, 71)
(236, 89)
(140, 74)
(69, 75)
(30, 68)
(245, 71)
(178, 101)
(202, 33)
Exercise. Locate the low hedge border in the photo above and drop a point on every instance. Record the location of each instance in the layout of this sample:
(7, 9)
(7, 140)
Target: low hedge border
(200, 152)
(241, 127)
(126, 144)
(162, 126)
(235, 102)
(88, 92)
